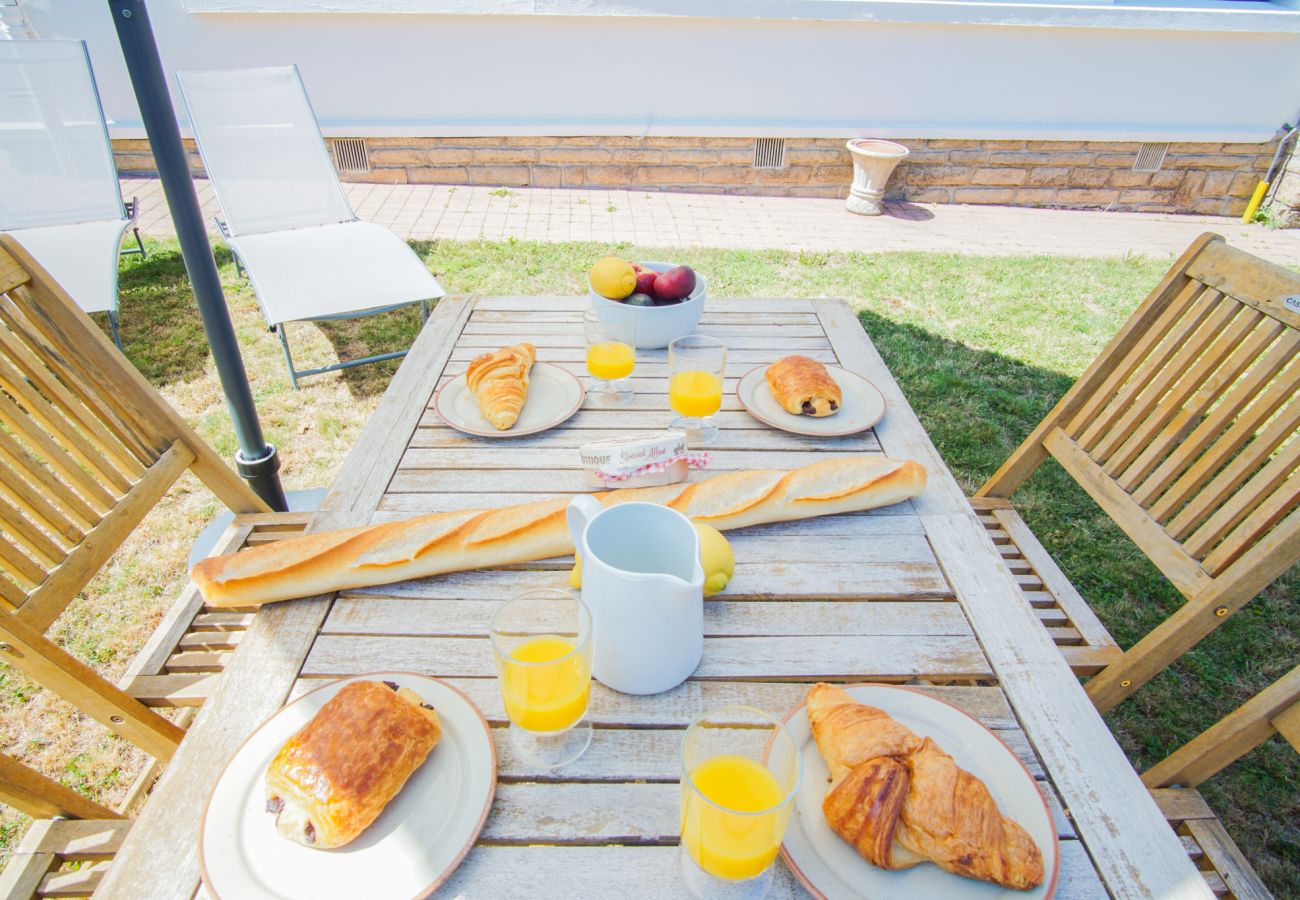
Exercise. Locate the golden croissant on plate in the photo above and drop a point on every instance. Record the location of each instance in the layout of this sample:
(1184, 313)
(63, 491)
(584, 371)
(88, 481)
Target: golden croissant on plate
(499, 381)
(900, 800)
(803, 387)
(335, 776)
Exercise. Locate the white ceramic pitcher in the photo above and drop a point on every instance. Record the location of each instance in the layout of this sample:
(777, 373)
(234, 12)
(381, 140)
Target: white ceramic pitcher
(643, 582)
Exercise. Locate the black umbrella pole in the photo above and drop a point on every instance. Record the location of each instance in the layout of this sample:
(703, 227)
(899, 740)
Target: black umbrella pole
(256, 460)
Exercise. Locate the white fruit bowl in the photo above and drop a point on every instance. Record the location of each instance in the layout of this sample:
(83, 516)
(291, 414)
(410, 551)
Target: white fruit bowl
(658, 326)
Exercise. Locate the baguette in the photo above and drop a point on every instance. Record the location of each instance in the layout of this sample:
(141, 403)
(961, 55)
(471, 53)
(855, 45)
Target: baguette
(476, 539)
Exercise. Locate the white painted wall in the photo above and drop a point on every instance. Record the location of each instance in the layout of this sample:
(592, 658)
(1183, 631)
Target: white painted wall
(1205, 70)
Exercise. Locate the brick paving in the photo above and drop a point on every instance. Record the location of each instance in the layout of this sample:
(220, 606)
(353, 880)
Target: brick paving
(653, 219)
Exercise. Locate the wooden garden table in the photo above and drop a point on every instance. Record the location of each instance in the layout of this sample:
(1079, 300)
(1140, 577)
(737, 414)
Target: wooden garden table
(913, 593)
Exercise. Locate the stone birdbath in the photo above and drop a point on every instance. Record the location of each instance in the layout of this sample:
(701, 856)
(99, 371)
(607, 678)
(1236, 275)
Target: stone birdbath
(873, 162)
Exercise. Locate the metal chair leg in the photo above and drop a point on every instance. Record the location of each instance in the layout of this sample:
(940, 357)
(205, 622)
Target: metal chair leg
(288, 357)
(424, 311)
(112, 326)
(139, 243)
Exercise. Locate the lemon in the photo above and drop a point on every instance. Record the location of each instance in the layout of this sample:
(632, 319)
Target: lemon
(715, 558)
(613, 278)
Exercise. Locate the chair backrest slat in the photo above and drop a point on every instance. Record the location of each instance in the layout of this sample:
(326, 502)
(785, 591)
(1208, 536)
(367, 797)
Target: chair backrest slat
(1169, 556)
(82, 562)
(1227, 415)
(1233, 477)
(126, 457)
(26, 496)
(263, 150)
(86, 446)
(30, 471)
(1132, 371)
(56, 162)
(59, 459)
(1231, 351)
(20, 567)
(117, 411)
(33, 540)
(1239, 524)
(79, 445)
(1157, 374)
(11, 596)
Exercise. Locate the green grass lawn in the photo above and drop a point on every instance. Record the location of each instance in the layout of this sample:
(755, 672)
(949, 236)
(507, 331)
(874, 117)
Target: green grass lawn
(983, 347)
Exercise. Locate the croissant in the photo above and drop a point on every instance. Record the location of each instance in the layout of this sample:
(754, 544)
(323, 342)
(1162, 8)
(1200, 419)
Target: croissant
(499, 381)
(803, 387)
(899, 799)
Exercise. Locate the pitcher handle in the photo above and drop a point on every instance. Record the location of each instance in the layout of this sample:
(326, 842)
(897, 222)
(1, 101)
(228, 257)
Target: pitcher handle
(582, 509)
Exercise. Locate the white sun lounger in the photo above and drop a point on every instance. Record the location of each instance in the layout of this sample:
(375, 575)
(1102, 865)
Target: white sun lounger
(59, 193)
(285, 217)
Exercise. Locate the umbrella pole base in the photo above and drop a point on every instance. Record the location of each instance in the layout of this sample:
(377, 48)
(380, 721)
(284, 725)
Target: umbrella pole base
(262, 476)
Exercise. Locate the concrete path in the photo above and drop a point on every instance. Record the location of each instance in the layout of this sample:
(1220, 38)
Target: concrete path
(783, 223)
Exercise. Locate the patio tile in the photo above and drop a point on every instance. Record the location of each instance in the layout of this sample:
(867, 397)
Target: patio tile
(673, 219)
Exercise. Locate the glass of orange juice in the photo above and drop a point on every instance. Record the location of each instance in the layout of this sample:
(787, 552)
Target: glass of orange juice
(611, 354)
(741, 769)
(542, 644)
(696, 365)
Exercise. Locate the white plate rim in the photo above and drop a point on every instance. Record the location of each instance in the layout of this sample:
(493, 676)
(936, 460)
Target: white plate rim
(511, 432)
(1052, 883)
(790, 426)
(367, 676)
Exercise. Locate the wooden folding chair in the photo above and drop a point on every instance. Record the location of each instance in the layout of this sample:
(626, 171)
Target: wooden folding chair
(1184, 432)
(1173, 780)
(68, 828)
(87, 447)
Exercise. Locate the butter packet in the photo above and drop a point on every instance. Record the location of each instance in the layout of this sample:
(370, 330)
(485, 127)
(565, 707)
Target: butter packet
(640, 460)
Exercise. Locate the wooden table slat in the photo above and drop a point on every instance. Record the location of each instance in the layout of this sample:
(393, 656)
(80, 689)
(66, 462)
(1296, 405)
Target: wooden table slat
(676, 708)
(366, 614)
(800, 657)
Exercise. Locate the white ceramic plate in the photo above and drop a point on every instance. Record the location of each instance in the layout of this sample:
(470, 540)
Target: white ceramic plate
(862, 407)
(554, 395)
(830, 868)
(416, 842)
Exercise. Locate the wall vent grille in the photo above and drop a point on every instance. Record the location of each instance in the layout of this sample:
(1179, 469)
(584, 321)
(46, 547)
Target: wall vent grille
(1150, 157)
(350, 155)
(769, 153)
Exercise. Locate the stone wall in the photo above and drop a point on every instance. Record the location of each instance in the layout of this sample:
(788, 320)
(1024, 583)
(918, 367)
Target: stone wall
(1211, 178)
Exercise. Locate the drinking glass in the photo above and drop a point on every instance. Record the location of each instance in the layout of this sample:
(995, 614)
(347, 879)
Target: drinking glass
(542, 644)
(696, 365)
(740, 772)
(611, 354)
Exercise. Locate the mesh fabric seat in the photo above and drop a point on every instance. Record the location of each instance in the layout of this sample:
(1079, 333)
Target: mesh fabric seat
(59, 194)
(284, 213)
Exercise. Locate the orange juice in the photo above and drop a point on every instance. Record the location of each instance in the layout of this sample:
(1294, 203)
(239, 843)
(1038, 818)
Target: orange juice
(694, 393)
(610, 360)
(722, 843)
(545, 698)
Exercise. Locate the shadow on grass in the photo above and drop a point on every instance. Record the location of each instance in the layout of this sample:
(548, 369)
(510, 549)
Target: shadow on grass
(162, 332)
(977, 406)
(370, 336)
